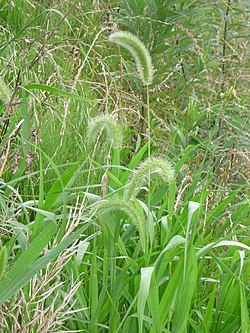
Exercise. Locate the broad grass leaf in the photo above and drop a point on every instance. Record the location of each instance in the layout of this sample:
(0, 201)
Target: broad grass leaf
(134, 162)
(82, 248)
(210, 246)
(209, 312)
(174, 241)
(146, 274)
(228, 307)
(188, 151)
(168, 298)
(56, 91)
(154, 305)
(245, 320)
(192, 208)
(59, 185)
(185, 294)
(93, 291)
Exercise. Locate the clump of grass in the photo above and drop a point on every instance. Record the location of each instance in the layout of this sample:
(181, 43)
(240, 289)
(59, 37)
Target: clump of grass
(138, 51)
(105, 122)
(143, 172)
(213, 293)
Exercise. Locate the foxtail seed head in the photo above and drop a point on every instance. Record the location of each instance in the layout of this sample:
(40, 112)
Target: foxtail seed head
(132, 209)
(153, 165)
(138, 51)
(111, 127)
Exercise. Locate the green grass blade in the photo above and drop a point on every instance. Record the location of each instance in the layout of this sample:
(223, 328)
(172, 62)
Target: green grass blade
(39, 219)
(59, 185)
(56, 92)
(93, 291)
(146, 274)
(154, 305)
(185, 294)
(209, 312)
(134, 162)
(245, 320)
(3, 261)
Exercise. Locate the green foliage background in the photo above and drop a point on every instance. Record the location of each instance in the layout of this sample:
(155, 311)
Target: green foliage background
(73, 266)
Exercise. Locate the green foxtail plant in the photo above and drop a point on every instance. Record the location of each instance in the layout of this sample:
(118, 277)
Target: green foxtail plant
(132, 208)
(144, 67)
(143, 172)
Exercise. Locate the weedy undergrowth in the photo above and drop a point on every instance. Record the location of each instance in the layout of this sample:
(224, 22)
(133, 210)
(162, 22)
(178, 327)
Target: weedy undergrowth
(173, 258)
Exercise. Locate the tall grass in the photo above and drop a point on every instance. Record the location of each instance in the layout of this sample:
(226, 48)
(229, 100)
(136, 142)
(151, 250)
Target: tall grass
(124, 198)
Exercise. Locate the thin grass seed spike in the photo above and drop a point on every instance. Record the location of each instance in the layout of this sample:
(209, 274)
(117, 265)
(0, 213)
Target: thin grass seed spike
(138, 51)
(132, 209)
(105, 122)
(145, 169)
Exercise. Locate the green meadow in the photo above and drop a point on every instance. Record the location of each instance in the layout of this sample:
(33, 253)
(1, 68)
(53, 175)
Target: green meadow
(124, 166)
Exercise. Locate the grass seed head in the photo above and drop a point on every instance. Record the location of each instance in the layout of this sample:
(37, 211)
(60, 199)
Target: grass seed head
(105, 122)
(154, 165)
(138, 51)
(132, 208)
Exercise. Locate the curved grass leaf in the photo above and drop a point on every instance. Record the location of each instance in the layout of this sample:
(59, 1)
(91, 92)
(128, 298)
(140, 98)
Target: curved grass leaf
(56, 92)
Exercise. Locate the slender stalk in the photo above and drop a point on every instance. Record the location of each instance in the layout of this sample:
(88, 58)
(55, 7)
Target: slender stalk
(149, 152)
(225, 43)
(149, 129)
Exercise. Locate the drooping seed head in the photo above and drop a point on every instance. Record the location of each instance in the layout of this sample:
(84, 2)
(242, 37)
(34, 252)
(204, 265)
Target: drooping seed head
(140, 176)
(138, 51)
(132, 208)
(105, 123)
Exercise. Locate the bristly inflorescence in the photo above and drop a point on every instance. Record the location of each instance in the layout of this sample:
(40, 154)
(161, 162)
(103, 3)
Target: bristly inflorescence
(132, 208)
(105, 122)
(138, 51)
(154, 165)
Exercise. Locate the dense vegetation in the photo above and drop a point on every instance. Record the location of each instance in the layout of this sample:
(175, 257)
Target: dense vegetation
(124, 158)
